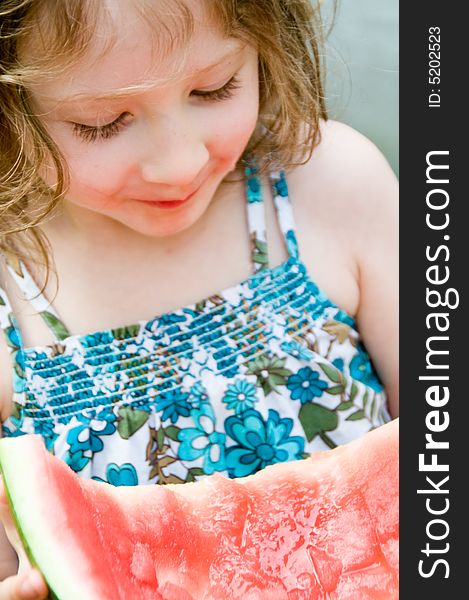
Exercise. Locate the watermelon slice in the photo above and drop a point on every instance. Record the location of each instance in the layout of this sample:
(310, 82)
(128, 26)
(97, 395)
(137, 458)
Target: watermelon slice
(323, 528)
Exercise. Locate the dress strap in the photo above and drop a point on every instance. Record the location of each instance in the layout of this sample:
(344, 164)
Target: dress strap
(256, 219)
(14, 341)
(284, 210)
(36, 298)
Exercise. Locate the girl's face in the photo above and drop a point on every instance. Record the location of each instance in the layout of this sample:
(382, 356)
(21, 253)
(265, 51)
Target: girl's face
(152, 158)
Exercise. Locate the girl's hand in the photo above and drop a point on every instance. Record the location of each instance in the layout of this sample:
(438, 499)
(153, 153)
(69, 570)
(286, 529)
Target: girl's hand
(28, 584)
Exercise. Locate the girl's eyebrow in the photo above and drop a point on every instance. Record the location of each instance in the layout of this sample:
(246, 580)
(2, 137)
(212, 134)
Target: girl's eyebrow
(132, 90)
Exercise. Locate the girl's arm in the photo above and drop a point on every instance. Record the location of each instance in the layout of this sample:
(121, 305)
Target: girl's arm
(346, 196)
(8, 557)
(28, 584)
(374, 210)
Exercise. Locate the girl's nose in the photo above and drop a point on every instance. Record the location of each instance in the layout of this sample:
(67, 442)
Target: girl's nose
(174, 156)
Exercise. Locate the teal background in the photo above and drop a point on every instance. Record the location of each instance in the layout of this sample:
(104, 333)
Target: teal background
(362, 68)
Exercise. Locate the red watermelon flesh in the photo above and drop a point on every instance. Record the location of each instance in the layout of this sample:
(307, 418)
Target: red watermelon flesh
(322, 528)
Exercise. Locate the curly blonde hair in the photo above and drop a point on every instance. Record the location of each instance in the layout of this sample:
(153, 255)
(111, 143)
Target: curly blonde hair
(287, 34)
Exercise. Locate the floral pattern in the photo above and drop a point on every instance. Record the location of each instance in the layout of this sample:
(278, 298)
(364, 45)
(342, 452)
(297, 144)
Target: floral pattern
(240, 395)
(203, 441)
(173, 405)
(260, 442)
(123, 475)
(267, 371)
(306, 385)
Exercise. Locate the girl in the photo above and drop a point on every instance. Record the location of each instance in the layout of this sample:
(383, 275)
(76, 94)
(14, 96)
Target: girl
(155, 152)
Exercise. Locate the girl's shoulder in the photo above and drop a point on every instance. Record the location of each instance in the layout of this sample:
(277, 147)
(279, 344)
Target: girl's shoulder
(346, 189)
(346, 170)
(346, 211)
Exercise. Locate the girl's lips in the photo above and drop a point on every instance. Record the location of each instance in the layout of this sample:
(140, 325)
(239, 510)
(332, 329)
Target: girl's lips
(168, 204)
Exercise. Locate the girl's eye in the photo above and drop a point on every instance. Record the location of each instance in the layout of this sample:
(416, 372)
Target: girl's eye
(91, 133)
(223, 93)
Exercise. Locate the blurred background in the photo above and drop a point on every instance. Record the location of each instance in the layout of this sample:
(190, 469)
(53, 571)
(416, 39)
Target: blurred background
(362, 62)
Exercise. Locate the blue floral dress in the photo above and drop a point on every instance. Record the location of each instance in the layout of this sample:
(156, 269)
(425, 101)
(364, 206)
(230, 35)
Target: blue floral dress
(266, 371)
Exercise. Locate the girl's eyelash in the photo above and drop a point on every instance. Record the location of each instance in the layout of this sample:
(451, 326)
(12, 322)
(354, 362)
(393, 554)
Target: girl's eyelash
(223, 93)
(91, 133)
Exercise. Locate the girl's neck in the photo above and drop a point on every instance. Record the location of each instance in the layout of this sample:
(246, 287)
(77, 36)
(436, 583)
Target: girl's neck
(80, 238)
(83, 230)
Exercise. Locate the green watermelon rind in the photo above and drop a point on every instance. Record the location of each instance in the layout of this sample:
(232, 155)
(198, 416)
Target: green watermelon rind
(17, 522)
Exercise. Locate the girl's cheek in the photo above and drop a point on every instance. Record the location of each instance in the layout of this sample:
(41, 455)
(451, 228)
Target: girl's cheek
(233, 132)
(102, 171)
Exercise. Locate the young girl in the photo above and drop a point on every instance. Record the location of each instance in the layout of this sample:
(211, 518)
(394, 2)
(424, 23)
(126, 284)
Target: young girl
(155, 152)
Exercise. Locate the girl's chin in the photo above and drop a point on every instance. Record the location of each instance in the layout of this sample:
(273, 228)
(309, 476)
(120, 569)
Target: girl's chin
(166, 224)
